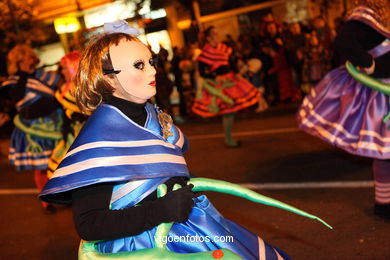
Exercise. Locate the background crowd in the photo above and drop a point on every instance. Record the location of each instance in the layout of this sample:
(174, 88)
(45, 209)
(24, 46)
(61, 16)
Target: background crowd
(283, 60)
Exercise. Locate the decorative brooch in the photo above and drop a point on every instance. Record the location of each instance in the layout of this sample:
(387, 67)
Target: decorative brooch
(166, 122)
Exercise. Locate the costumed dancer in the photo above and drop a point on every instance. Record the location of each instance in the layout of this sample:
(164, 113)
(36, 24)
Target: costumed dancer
(73, 119)
(125, 151)
(38, 119)
(221, 91)
(348, 112)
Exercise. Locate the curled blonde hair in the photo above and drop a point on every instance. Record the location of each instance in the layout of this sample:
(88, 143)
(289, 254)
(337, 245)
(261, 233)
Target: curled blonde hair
(18, 54)
(90, 83)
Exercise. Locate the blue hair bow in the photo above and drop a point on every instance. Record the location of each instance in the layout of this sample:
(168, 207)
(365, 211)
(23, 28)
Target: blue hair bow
(120, 26)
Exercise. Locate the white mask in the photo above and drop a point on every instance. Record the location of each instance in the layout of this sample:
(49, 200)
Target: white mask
(137, 72)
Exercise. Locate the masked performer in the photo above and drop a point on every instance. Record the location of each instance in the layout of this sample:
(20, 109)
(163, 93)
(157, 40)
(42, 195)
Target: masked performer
(38, 120)
(221, 91)
(73, 119)
(347, 113)
(126, 149)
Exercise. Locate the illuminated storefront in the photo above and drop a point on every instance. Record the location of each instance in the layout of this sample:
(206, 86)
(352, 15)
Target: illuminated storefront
(151, 24)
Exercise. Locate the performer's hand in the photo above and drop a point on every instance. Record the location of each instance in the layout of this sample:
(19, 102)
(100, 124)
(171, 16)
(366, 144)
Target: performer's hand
(369, 70)
(175, 206)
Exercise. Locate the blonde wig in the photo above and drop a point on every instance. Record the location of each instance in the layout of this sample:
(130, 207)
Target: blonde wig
(380, 7)
(90, 83)
(17, 55)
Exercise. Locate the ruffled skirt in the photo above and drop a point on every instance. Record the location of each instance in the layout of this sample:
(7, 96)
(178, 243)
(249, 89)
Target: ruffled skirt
(32, 152)
(236, 93)
(347, 114)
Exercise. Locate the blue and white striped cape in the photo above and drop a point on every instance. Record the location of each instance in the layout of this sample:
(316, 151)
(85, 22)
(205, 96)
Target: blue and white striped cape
(113, 148)
(44, 83)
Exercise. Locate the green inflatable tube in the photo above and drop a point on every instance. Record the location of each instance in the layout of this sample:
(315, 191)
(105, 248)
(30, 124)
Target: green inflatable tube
(87, 250)
(207, 84)
(205, 184)
(54, 135)
(367, 80)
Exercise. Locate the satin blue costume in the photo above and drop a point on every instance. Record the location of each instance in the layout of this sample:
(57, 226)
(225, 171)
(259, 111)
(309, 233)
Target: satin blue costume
(113, 148)
(31, 150)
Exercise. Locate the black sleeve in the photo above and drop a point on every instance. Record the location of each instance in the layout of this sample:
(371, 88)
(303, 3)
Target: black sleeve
(354, 41)
(40, 108)
(95, 221)
(17, 92)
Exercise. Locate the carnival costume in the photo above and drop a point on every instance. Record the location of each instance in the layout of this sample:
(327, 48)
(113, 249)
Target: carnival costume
(347, 108)
(121, 165)
(346, 113)
(139, 159)
(74, 121)
(217, 98)
(33, 139)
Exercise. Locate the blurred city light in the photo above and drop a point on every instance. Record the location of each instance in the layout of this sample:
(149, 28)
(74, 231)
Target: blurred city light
(118, 10)
(66, 25)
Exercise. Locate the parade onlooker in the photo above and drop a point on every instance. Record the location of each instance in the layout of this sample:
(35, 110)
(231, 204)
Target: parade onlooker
(178, 73)
(295, 43)
(270, 79)
(337, 57)
(324, 35)
(254, 77)
(164, 84)
(187, 68)
(315, 64)
(281, 70)
(265, 20)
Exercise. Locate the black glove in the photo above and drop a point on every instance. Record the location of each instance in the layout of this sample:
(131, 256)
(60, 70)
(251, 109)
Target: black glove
(175, 206)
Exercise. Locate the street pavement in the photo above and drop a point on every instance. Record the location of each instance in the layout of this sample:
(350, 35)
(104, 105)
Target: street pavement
(276, 159)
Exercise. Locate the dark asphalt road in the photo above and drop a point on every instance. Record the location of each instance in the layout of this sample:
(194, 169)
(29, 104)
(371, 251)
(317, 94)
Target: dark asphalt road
(267, 155)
